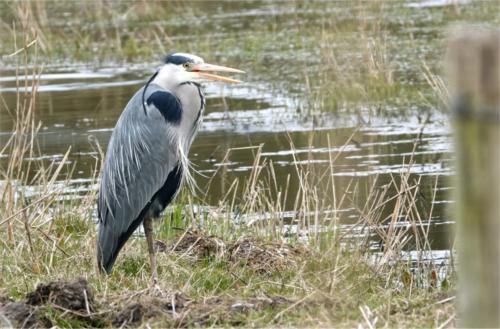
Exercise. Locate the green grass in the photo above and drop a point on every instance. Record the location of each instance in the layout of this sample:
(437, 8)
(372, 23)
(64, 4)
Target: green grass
(325, 287)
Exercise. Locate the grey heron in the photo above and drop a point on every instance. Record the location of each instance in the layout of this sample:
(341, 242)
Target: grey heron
(146, 160)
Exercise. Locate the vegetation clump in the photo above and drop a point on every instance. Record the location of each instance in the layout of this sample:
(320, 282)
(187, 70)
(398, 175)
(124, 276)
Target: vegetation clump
(266, 257)
(254, 253)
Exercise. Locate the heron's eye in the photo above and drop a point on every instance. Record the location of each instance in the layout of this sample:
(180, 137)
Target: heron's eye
(186, 65)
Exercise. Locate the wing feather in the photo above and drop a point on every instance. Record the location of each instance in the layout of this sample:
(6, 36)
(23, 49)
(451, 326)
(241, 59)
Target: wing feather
(141, 155)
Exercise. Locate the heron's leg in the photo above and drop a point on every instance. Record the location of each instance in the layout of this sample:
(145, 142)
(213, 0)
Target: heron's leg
(148, 230)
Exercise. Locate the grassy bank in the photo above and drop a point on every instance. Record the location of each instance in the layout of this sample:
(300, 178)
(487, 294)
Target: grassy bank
(241, 282)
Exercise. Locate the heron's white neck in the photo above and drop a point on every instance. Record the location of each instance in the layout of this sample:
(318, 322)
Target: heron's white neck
(170, 77)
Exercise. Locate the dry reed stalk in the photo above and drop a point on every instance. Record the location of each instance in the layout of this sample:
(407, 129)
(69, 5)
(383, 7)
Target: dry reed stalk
(20, 175)
(438, 85)
(21, 141)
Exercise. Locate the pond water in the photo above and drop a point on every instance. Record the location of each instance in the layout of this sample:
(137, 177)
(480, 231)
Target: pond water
(373, 142)
(78, 107)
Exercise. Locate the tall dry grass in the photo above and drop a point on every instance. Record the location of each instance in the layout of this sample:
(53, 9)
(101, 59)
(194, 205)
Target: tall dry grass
(30, 188)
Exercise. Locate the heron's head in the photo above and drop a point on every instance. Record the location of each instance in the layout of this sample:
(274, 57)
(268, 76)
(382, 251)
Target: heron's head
(182, 67)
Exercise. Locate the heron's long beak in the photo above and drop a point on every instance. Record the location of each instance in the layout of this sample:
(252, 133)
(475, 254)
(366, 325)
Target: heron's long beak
(202, 69)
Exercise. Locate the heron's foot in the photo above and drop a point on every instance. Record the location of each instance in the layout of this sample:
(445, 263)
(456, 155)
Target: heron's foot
(155, 289)
(154, 278)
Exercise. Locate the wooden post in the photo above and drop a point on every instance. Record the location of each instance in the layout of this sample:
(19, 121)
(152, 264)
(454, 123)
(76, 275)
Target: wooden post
(474, 73)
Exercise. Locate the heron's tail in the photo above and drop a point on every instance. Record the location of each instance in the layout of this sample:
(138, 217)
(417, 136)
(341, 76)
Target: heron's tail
(107, 249)
(110, 241)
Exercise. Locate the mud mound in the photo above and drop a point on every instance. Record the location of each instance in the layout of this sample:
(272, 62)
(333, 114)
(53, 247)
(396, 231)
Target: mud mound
(75, 295)
(265, 257)
(195, 244)
(73, 301)
(20, 315)
(67, 301)
(173, 309)
(149, 305)
(261, 256)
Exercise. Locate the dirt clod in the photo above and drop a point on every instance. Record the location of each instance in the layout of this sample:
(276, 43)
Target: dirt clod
(131, 314)
(75, 295)
(20, 315)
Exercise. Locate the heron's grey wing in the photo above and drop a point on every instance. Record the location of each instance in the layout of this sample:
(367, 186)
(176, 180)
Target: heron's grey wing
(140, 170)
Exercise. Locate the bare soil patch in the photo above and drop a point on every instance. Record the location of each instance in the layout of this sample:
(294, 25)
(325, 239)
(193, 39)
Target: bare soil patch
(74, 295)
(74, 301)
(74, 298)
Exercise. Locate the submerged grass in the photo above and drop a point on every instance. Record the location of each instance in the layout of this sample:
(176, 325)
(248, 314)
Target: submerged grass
(334, 55)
